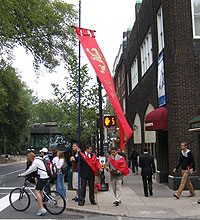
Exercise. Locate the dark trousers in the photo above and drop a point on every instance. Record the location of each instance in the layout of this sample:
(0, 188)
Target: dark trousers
(134, 166)
(84, 181)
(147, 184)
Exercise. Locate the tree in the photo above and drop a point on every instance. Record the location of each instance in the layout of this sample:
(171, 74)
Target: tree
(45, 111)
(14, 108)
(40, 27)
(69, 102)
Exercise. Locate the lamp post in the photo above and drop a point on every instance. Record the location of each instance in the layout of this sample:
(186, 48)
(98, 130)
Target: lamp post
(79, 104)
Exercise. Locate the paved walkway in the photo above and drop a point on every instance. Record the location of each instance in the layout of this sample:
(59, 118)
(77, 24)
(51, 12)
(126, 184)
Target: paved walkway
(12, 160)
(134, 204)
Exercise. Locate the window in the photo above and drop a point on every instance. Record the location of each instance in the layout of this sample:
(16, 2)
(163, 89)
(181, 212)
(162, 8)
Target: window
(160, 30)
(146, 52)
(124, 105)
(134, 74)
(118, 81)
(196, 18)
(128, 88)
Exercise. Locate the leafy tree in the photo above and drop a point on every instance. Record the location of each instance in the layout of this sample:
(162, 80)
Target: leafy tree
(14, 108)
(69, 103)
(45, 111)
(40, 27)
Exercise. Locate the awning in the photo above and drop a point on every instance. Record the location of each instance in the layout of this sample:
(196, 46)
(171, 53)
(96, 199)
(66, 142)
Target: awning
(194, 124)
(157, 120)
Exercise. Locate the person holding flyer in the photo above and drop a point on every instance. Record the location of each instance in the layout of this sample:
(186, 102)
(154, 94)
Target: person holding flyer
(117, 168)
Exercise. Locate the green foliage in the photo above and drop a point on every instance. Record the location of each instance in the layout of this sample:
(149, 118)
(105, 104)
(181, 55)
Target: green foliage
(40, 27)
(69, 102)
(15, 104)
(45, 111)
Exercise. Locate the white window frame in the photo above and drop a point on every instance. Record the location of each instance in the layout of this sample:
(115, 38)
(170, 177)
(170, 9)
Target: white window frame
(146, 52)
(134, 74)
(160, 30)
(124, 104)
(193, 20)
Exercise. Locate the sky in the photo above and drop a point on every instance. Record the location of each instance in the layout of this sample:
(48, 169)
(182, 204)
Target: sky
(110, 18)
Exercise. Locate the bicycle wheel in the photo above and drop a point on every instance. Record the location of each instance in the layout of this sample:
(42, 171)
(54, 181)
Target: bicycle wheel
(19, 199)
(54, 202)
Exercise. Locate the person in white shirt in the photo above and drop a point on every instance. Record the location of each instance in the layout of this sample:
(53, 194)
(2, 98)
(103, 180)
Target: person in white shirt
(42, 179)
(60, 181)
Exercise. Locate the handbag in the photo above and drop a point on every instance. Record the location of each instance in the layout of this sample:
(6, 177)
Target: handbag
(64, 168)
(114, 173)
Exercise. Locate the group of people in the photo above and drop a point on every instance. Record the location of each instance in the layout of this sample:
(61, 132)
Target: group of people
(90, 166)
(87, 165)
(36, 171)
(146, 162)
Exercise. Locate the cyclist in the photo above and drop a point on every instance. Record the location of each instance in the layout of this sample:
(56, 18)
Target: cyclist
(44, 153)
(42, 179)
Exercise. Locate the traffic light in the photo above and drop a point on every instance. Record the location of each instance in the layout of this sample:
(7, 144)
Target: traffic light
(109, 121)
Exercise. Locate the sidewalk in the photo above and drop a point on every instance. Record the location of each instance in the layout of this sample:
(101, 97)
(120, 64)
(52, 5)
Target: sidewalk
(12, 160)
(134, 204)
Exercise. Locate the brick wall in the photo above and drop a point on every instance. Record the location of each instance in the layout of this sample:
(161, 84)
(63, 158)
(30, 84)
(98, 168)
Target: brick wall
(182, 72)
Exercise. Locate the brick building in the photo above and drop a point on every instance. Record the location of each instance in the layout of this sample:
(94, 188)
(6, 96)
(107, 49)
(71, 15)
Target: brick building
(157, 77)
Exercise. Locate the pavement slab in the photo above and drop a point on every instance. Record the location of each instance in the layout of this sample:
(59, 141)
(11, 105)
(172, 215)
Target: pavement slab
(134, 204)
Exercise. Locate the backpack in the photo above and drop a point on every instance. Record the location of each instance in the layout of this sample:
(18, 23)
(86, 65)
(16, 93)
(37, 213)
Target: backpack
(51, 168)
(64, 168)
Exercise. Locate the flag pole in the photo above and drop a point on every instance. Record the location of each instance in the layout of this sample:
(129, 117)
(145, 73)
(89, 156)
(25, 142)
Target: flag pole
(79, 103)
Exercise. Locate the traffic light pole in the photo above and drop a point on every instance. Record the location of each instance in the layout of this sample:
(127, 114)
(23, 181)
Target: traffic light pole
(104, 186)
(100, 118)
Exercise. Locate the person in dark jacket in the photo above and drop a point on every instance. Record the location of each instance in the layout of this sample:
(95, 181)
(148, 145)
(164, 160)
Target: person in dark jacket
(146, 162)
(134, 161)
(187, 164)
(89, 165)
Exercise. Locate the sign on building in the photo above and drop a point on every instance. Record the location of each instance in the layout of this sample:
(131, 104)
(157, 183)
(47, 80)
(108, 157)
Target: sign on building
(161, 82)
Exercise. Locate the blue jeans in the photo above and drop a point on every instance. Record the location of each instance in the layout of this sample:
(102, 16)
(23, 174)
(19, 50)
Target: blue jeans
(60, 184)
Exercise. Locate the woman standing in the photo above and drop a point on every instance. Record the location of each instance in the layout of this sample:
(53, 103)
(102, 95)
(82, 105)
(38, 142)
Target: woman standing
(60, 183)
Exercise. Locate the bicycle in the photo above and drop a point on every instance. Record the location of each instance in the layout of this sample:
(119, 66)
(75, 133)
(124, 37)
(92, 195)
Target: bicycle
(20, 200)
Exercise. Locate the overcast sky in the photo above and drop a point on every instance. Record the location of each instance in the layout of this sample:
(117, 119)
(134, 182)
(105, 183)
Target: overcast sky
(108, 17)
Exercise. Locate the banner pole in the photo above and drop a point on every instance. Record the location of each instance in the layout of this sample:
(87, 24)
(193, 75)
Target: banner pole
(79, 103)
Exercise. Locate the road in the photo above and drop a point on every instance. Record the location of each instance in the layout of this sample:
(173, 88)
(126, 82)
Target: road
(9, 181)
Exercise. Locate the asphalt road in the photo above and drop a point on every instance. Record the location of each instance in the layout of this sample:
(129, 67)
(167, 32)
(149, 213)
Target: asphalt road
(9, 181)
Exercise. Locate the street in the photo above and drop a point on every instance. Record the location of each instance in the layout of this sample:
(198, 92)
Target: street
(9, 181)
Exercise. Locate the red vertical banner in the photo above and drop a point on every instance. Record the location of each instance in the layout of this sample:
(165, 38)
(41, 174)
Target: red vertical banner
(122, 142)
(97, 60)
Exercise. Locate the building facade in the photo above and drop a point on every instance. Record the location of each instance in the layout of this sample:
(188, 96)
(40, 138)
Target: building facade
(159, 68)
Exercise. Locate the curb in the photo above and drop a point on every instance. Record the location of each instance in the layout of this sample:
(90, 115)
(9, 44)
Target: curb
(11, 163)
(94, 212)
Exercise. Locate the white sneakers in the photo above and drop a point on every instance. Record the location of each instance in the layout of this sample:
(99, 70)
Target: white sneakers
(41, 212)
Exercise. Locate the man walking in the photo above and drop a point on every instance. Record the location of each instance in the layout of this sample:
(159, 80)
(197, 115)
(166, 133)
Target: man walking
(146, 162)
(118, 168)
(187, 164)
(134, 161)
(89, 166)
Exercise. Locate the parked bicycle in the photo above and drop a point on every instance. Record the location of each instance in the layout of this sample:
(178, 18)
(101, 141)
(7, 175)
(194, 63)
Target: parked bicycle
(20, 200)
